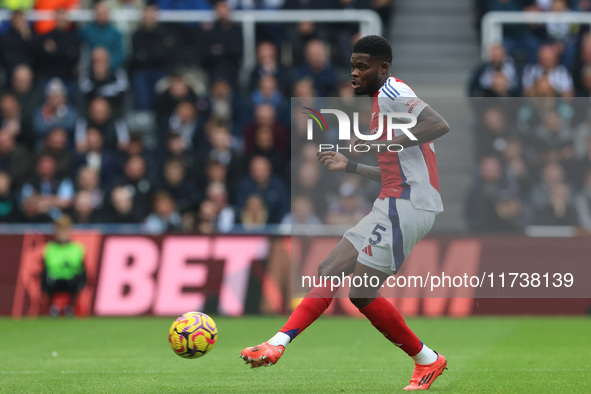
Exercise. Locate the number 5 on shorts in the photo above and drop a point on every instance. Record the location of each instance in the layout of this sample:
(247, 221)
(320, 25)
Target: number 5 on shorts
(375, 232)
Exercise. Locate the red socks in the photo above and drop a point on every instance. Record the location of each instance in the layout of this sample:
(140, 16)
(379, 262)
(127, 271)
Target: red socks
(310, 309)
(381, 313)
(385, 317)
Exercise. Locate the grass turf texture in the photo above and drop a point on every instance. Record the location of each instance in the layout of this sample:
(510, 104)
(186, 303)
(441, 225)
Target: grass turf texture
(493, 354)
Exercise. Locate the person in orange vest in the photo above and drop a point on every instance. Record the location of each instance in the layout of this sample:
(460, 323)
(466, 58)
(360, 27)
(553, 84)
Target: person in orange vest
(45, 26)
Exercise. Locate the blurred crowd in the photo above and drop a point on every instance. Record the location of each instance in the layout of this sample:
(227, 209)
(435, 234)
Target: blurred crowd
(533, 126)
(152, 122)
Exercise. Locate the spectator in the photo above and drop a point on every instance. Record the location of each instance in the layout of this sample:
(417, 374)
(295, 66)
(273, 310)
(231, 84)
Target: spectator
(547, 65)
(164, 216)
(268, 93)
(59, 51)
(563, 36)
(580, 136)
(268, 65)
(58, 6)
(55, 112)
(9, 212)
(136, 180)
(101, 33)
(265, 116)
(83, 211)
(385, 9)
(482, 83)
(206, 217)
(499, 86)
(177, 90)
(309, 181)
(584, 86)
(229, 106)
(223, 44)
(304, 90)
(184, 122)
(175, 149)
(56, 146)
(302, 212)
(583, 202)
(579, 166)
(24, 90)
(100, 80)
(300, 35)
(225, 214)
(552, 174)
(17, 45)
(55, 195)
(317, 67)
(127, 27)
(136, 147)
(508, 214)
(264, 145)
(519, 176)
(114, 130)
(254, 215)
(88, 182)
(222, 152)
(214, 171)
(490, 183)
(13, 159)
(493, 133)
(176, 183)
(582, 61)
(63, 266)
(152, 46)
(121, 207)
(95, 157)
(559, 210)
(261, 181)
(345, 34)
(189, 35)
(553, 134)
(517, 38)
(350, 207)
(13, 122)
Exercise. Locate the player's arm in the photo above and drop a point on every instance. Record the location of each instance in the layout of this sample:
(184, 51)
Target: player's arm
(335, 161)
(430, 126)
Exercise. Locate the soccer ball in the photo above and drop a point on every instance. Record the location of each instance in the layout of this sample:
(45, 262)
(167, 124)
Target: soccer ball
(192, 335)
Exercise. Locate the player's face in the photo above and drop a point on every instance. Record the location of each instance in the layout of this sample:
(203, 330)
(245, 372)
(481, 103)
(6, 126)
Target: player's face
(366, 74)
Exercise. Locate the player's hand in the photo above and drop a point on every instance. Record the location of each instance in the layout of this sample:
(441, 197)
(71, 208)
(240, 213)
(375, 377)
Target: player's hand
(333, 161)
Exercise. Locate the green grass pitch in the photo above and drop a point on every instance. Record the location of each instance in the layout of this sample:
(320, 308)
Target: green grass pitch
(491, 354)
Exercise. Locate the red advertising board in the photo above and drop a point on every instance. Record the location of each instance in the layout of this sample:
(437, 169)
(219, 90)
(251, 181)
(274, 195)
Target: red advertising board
(235, 275)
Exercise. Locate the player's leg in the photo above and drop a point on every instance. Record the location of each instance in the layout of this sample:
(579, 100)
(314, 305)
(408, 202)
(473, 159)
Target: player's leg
(387, 319)
(396, 231)
(340, 260)
(73, 288)
(382, 314)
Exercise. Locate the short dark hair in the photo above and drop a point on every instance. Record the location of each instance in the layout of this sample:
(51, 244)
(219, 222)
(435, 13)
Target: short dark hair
(375, 46)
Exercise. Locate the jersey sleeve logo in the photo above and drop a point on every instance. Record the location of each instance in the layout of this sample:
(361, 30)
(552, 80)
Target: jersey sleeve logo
(412, 103)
